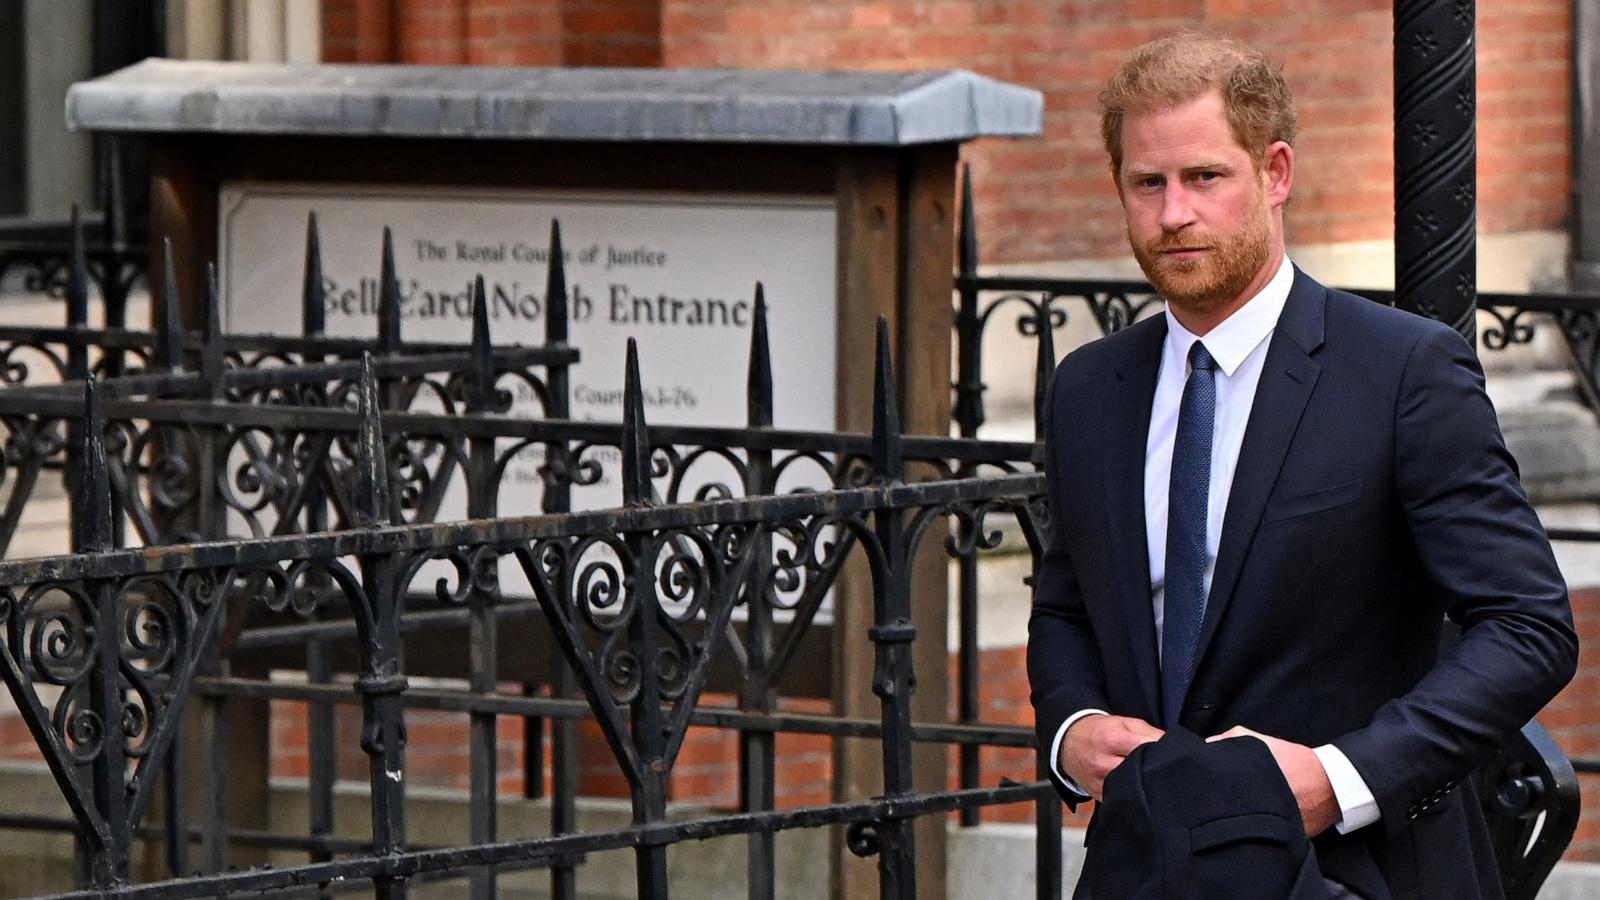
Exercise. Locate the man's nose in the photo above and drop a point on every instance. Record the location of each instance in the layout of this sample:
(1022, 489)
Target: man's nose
(1177, 213)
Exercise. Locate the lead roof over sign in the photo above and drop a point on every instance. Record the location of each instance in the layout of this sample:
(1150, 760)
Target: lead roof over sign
(595, 104)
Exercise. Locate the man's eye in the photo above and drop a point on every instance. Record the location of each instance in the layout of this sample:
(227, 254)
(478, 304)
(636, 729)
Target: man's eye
(1151, 182)
(1207, 176)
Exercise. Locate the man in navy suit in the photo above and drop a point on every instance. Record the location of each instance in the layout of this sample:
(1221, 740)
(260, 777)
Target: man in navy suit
(1265, 502)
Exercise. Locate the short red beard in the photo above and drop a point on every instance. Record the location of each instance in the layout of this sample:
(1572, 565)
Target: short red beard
(1226, 268)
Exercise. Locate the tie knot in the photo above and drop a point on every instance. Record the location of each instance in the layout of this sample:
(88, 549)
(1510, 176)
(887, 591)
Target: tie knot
(1200, 357)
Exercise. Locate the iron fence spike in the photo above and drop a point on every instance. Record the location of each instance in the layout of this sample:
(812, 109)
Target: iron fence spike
(555, 292)
(760, 376)
(968, 411)
(313, 314)
(481, 383)
(388, 298)
(635, 435)
(967, 248)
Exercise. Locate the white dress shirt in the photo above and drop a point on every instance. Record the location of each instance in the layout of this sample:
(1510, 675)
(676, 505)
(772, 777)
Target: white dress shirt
(1239, 346)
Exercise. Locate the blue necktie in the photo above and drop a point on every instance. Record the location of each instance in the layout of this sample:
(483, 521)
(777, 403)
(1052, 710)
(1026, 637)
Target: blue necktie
(1188, 498)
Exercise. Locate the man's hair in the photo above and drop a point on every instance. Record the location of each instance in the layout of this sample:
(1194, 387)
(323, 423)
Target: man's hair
(1181, 67)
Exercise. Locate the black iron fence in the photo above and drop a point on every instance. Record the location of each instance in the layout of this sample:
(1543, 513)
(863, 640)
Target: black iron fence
(247, 444)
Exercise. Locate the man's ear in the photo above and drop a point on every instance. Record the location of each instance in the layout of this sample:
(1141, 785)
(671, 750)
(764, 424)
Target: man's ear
(1277, 168)
(1116, 179)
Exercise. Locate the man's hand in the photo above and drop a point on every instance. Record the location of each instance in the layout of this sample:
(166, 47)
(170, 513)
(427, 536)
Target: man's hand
(1096, 744)
(1319, 808)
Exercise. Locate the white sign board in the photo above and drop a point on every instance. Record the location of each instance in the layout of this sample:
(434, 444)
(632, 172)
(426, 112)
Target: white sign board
(675, 272)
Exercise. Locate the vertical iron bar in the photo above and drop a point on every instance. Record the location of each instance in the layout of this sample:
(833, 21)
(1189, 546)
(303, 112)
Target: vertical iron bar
(320, 747)
(1435, 160)
(72, 472)
(214, 780)
(1047, 845)
(104, 718)
(1047, 810)
(482, 496)
(532, 748)
(649, 792)
(381, 682)
(77, 354)
(758, 749)
(891, 635)
(969, 418)
(210, 526)
(558, 499)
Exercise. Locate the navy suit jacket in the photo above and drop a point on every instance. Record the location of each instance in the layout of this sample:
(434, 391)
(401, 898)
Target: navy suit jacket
(1374, 496)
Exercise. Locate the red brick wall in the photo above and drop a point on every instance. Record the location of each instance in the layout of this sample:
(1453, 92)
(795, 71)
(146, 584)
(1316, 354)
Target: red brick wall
(1051, 198)
(1573, 719)
(493, 32)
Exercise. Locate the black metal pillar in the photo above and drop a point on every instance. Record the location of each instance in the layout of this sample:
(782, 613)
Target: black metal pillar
(558, 499)
(758, 749)
(891, 634)
(383, 734)
(1435, 155)
(649, 736)
(482, 501)
(969, 417)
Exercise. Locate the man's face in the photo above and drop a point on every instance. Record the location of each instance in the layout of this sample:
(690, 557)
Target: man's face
(1199, 217)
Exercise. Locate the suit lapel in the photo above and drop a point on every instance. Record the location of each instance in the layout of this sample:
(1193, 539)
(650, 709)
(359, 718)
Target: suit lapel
(1127, 422)
(1287, 377)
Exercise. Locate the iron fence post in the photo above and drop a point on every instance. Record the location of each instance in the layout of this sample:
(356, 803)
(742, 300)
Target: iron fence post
(969, 418)
(892, 633)
(758, 748)
(558, 499)
(381, 682)
(100, 727)
(320, 748)
(1435, 159)
(648, 732)
(482, 496)
(1047, 809)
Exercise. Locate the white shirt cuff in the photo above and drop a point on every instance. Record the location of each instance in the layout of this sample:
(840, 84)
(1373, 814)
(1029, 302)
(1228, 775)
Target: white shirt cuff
(1357, 807)
(1055, 749)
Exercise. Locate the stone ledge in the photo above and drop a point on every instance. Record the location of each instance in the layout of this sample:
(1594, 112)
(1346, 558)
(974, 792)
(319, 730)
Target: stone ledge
(593, 104)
